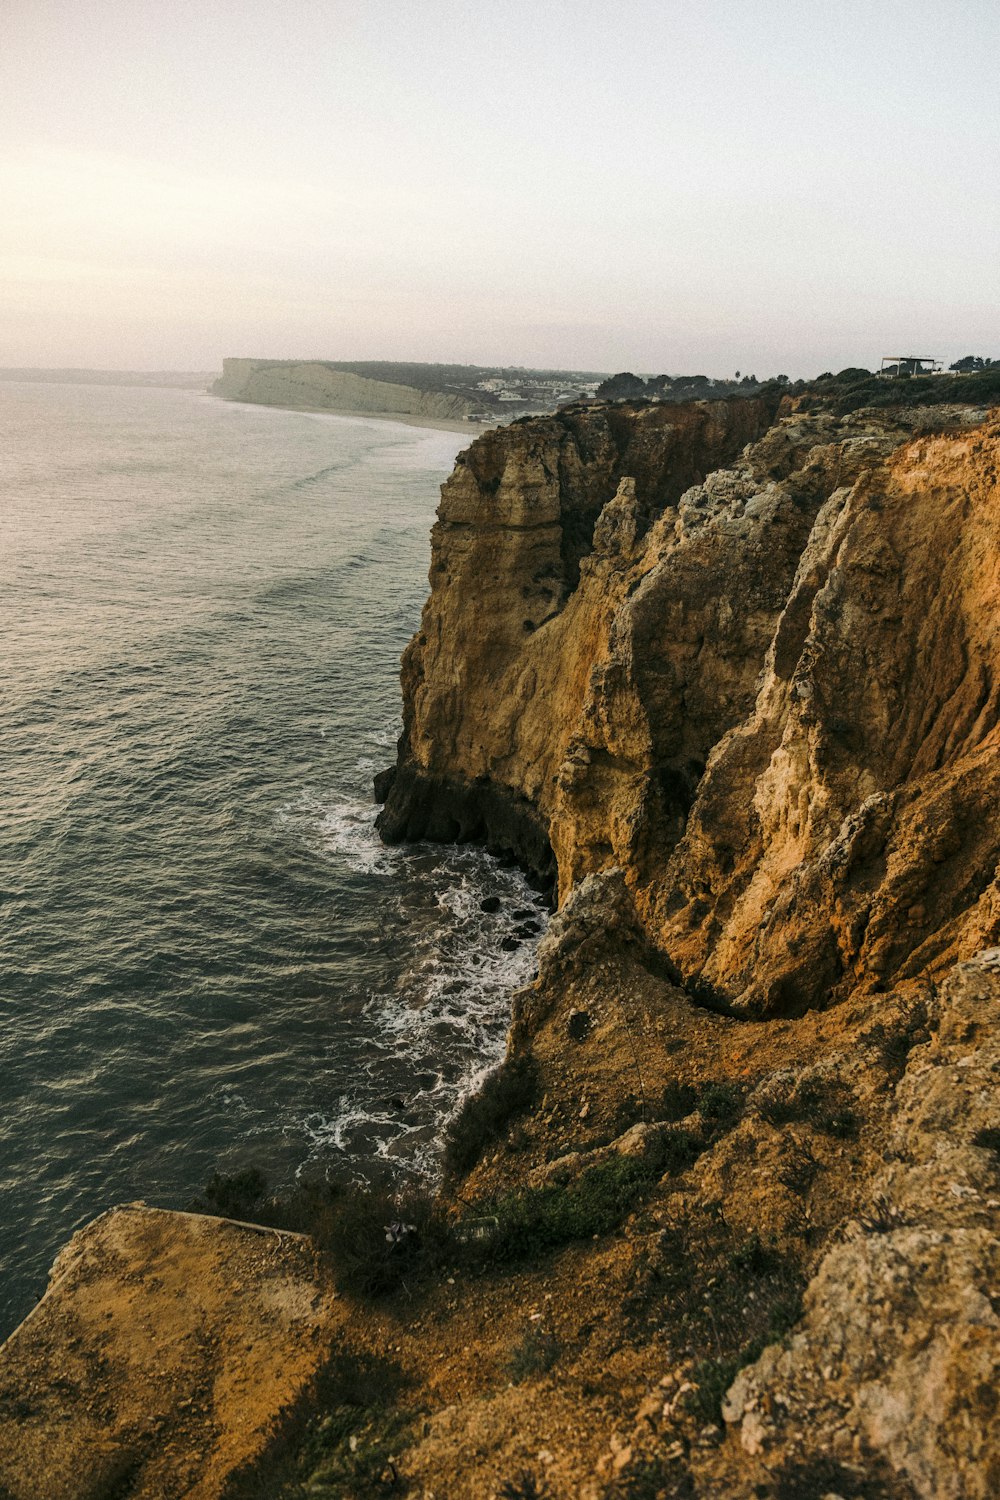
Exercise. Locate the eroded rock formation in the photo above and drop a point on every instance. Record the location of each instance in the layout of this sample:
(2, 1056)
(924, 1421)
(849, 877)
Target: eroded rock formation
(767, 692)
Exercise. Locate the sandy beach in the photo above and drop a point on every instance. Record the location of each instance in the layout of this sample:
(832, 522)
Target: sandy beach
(409, 419)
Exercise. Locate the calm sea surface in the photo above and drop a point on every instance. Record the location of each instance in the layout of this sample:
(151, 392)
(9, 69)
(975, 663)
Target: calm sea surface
(206, 957)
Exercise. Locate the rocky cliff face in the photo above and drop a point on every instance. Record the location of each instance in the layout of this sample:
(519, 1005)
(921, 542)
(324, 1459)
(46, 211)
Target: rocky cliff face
(534, 551)
(734, 686)
(751, 665)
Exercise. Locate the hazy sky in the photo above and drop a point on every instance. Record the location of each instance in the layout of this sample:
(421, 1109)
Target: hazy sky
(699, 186)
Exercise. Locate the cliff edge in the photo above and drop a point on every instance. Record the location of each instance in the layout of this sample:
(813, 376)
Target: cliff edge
(312, 385)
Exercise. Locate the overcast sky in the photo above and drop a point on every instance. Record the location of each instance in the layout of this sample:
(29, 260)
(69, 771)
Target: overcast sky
(661, 185)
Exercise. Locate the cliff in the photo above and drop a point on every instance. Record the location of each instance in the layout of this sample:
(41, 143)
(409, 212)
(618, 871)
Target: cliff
(313, 385)
(727, 1222)
(767, 695)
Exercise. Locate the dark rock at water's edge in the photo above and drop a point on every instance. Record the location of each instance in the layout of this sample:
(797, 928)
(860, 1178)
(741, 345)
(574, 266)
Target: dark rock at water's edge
(452, 810)
(382, 784)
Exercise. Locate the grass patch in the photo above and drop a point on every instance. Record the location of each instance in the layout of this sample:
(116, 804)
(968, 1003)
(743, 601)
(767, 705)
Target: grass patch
(534, 1221)
(504, 1093)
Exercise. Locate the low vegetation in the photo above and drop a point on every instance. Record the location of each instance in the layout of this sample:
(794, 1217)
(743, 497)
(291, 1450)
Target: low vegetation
(972, 380)
(534, 1355)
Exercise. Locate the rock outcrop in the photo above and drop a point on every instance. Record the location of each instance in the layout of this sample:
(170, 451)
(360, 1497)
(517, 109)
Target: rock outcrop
(161, 1359)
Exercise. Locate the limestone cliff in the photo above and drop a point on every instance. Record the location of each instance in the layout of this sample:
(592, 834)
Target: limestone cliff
(313, 385)
(766, 692)
(532, 555)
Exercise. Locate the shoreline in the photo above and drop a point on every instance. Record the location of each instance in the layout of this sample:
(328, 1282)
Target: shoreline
(406, 419)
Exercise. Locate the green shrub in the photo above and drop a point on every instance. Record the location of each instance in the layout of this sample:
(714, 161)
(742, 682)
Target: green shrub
(721, 1106)
(504, 1093)
(378, 1240)
(524, 1486)
(677, 1150)
(653, 1479)
(236, 1195)
(712, 1379)
(677, 1101)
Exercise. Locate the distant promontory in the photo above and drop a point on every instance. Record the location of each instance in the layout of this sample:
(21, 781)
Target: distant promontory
(380, 388)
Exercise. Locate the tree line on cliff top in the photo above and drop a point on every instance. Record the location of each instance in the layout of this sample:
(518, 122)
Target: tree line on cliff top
(972, 379)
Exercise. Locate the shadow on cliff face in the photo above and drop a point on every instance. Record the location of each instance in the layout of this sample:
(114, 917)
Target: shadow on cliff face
(451, 810)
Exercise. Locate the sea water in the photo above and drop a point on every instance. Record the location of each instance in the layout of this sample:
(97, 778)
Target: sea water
(207, 958)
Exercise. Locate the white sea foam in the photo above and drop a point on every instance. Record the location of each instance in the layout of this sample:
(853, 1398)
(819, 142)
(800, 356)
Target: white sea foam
(348, 831)
(443, 1024)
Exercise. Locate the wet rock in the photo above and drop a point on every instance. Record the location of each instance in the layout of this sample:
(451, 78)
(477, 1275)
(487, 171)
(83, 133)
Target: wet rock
(382, 784)
(490, 904)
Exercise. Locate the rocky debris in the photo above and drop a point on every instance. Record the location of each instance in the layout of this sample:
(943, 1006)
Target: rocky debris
(160, 1358)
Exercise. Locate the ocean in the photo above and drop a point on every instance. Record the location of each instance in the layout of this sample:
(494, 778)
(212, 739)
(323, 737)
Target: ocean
(207, 958)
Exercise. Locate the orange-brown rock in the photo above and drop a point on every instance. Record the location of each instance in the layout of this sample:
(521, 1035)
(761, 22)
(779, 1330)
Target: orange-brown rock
(496, 680)
(160, 1359)
(814, 622)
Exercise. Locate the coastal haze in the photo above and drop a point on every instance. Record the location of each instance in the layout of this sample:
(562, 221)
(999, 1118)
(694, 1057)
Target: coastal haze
(768, 187)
